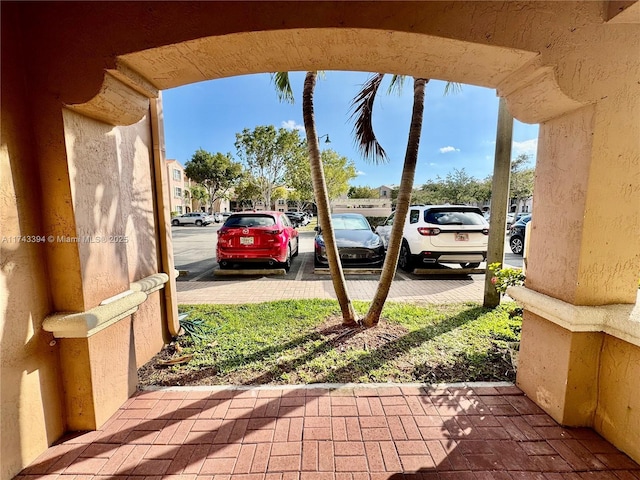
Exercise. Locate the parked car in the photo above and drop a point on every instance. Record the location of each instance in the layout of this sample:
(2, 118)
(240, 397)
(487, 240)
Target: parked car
(257, 237)
(218, 217)
(357, 244)
(193, 218)
(517, 234)
(436, 234)
(298, 218)
(514, 217)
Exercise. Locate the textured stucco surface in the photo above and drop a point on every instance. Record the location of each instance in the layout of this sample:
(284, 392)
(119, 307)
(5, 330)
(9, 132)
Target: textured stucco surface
(557, 368)
(116, 207)
(99, 374)
(148, 328)
(31, 412)
(556, 62)
(618, 413)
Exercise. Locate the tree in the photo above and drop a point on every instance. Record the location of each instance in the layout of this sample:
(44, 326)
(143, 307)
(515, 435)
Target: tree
(458, 188)
(338, 172)
(521, 180)
(366, 139)
(280, 193)
(200, 195)
(281, 79)
(483, 194)
(216, 173)
(265, 152)
(248, 191)
(363, 192)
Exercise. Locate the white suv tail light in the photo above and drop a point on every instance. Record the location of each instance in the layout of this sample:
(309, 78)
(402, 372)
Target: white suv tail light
(428, 232)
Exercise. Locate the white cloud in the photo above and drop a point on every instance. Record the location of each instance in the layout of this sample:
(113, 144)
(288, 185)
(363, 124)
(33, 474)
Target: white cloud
(449, 149)
(292, 125)
(360, 172)
(528, 147)
(433, 164)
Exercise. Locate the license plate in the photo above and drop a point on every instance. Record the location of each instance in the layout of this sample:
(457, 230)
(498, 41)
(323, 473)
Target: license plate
(246, 240)
(462, 237)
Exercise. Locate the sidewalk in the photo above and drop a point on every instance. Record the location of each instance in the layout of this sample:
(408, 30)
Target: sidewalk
(267, 289)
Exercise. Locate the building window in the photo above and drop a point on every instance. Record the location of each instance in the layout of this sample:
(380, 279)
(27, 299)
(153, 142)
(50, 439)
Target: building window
(384, 193)
(177, 175)
(281, 201)
(177, 193)
(179, 209)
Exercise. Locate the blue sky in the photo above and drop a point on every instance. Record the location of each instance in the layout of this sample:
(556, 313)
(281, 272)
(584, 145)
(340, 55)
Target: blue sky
(459, 129)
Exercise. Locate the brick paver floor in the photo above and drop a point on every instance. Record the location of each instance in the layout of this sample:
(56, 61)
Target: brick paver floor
(473, 431)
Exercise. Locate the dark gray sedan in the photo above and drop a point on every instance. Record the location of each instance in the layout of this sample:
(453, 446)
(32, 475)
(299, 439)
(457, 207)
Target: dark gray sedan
(358, 245)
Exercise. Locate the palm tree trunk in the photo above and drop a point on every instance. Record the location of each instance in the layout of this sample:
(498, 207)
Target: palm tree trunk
(322, 202)
(402, 206)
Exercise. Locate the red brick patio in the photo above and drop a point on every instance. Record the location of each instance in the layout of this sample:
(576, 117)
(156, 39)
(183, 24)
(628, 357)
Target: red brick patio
(341, 433)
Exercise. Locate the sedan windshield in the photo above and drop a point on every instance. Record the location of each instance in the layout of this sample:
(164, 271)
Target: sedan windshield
(249, 221)
(350, 223)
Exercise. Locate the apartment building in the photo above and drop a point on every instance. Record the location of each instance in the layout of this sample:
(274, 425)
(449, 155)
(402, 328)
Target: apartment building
(178, 185)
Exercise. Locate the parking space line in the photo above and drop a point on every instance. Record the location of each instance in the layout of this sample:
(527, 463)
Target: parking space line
(301, 269)
(402, 275)
(198, 277)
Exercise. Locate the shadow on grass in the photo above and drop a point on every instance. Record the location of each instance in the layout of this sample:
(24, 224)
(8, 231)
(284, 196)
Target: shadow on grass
(487, 366)
(230, 371)
(400, 346)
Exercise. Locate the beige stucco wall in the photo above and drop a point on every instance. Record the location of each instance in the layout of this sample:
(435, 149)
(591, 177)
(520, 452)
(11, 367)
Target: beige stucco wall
(617, 416)
(116, 209)
(31, 412)
(556, 62)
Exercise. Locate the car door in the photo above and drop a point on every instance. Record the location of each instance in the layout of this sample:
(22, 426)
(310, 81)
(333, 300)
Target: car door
(292, 233)
(384, 230)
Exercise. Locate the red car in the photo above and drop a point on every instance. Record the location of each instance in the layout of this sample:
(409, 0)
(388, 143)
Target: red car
(257, 237)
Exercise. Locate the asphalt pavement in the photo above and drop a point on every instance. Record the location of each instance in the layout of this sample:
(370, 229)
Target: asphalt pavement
(200, 279)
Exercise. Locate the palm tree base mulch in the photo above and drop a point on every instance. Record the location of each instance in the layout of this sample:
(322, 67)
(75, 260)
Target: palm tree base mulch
(159, 371)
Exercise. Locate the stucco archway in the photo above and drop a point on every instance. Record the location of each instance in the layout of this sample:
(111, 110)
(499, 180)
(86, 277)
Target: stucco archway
(535, 92)
(571, 66)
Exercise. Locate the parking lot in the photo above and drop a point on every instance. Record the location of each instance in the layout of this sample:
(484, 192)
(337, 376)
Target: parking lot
(195, 248)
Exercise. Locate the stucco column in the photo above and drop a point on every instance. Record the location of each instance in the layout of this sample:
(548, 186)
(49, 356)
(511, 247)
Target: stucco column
(584, 251)
(586, 225)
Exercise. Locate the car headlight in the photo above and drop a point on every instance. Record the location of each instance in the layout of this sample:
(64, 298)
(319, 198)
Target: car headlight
(375, 242)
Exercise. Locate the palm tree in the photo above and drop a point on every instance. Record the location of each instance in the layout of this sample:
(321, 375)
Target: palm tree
(366, 140)
(283, 86)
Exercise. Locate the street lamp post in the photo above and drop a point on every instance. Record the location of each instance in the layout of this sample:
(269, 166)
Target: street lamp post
(323, 136)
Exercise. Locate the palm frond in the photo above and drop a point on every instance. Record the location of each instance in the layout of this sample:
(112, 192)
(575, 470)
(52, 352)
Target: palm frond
(196, 328)
(452, 87)
(396, 85)
(362, 113)
(283, 86)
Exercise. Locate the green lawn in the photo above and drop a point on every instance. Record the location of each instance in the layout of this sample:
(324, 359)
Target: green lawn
(302, 341)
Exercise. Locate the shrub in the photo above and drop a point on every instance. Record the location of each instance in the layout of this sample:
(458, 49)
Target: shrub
(506, 277)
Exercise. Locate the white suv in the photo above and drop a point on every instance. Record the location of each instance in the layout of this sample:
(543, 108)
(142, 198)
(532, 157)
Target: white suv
(435, 234)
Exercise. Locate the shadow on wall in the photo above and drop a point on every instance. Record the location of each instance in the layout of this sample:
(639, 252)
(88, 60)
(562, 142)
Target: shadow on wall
(111, 177)
(29, 381)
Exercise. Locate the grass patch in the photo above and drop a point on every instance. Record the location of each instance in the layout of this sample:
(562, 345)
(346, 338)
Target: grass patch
(303, 341)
